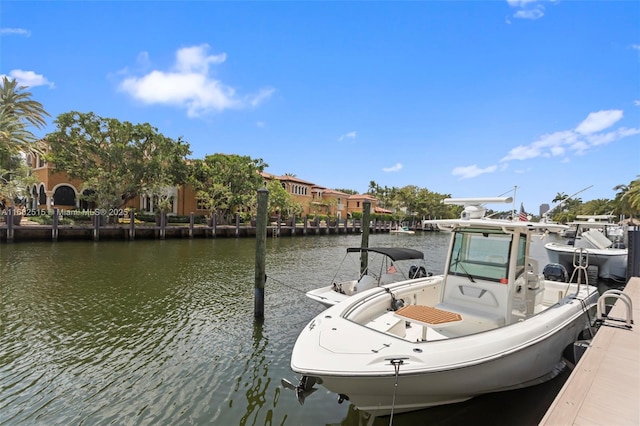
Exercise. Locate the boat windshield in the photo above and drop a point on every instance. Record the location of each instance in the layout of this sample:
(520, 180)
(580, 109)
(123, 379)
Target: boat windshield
(481, 254)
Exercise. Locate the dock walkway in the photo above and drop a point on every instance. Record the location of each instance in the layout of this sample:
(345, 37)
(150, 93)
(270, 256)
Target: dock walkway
(604, 388)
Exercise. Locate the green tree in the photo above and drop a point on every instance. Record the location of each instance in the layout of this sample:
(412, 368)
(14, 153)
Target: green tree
(596, 207)
(281, 201)
(633, 195)
(18, 112)
(430, 206)
(15, 183)
(346, 191)
(116, 160)
(566, 209)
(627, 199)
(227, 184)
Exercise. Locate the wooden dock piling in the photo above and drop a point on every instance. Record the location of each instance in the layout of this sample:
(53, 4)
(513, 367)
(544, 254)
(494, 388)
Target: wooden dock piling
(261, 252)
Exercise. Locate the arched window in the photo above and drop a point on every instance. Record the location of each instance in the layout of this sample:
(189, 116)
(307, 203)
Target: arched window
(43, 197)
(64, 196)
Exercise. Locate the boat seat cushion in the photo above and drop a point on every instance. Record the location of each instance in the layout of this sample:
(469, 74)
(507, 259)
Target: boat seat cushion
(388, 323)
(492, 320)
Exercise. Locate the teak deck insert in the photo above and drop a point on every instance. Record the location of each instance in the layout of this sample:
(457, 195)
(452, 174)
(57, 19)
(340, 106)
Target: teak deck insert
(428, 314)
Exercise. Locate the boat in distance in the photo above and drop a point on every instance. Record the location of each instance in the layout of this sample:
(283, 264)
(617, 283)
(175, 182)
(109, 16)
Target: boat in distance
(371, 267)
(594, 246)
(402, 230)
(489, 323)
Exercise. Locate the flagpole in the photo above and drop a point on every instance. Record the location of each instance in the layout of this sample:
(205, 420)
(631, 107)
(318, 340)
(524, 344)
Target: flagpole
(513, 208)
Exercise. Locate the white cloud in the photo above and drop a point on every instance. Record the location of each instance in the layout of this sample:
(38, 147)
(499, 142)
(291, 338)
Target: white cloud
(533, 14)
(522, 171)
(194, 59)
(527, 9)
(28, 78)
(586, 136)
(15, 31)
(395, 168)
(520, 3)
(189, 84)
(350, 135)
(467, 172)
(261, 96)
(597, 121)
(549, 145)
(636, 102)
(605, 138)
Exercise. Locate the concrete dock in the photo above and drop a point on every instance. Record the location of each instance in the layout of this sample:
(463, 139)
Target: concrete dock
(604, 388)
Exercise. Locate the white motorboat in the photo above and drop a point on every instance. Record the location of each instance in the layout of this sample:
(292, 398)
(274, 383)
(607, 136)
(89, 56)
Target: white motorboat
(490, 323)
(366, 267)
(402, 230)
(594, 246)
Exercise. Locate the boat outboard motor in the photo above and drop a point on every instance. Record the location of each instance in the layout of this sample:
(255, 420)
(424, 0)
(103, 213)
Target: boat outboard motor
(417, 272)
(555, 272)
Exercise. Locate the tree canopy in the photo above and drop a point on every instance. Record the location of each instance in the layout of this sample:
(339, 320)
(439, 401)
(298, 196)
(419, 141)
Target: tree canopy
(281, 201)
(116, 160)
(18, 112)
(227, 184)
(413, 201)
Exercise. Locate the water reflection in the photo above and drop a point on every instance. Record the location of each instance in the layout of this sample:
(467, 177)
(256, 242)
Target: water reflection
(162, 332)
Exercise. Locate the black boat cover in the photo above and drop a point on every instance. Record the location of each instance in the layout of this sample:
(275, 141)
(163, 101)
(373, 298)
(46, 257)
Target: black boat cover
(395, 253)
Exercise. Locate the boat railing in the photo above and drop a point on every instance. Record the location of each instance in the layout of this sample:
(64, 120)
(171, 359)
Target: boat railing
(580, 265)
(602, 315)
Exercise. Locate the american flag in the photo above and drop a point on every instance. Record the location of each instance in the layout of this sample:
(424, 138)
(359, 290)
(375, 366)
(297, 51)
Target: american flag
(523, 215)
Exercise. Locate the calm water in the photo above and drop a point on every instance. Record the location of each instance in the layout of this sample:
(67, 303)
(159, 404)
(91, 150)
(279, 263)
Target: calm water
(162, 333)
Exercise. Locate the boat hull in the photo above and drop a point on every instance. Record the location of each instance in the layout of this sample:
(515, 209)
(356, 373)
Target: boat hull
(611, 263)
(326, 296)
(436, 372)
(527, 367)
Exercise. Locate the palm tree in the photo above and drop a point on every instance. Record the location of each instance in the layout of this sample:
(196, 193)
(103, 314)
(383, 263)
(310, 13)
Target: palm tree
(634, 196)
(628, 198)
(17, 112)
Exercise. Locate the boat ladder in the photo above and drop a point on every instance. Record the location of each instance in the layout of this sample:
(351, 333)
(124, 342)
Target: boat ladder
(602, 315)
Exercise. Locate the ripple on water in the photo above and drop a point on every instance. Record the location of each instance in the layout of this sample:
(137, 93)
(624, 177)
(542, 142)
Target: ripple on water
(163, 332)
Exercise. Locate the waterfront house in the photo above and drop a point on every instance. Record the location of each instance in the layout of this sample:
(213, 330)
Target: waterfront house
(55, 189)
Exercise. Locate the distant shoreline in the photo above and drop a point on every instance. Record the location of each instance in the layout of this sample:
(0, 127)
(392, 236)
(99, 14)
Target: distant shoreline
(26, 232)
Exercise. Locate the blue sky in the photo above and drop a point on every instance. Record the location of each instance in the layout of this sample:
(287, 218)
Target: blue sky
(468, 98)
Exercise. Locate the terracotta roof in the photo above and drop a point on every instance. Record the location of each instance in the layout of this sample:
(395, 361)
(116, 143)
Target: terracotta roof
(362, 197)
(381, 210)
